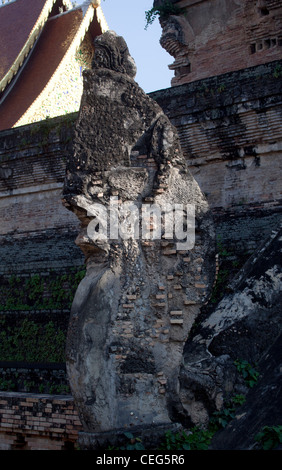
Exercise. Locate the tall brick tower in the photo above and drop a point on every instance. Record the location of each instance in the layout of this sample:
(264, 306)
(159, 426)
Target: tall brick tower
(212, 37)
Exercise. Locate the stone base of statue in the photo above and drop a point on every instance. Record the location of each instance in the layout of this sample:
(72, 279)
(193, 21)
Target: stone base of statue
(147, 437)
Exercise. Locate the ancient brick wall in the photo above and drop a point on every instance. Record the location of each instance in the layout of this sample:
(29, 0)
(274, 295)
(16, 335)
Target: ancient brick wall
(230, 130)
(39, 270)
(37, 422)
(213, 37)
(34, 223)
(32, 172)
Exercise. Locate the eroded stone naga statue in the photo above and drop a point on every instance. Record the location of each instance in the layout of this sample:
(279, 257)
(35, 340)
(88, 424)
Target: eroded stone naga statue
(143, 287)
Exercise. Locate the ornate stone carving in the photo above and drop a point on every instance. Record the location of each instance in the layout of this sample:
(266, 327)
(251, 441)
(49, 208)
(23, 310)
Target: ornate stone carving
(178, 40)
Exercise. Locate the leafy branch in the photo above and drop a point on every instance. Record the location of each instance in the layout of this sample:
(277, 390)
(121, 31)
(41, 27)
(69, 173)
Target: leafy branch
(162, 11)
(249, 373)
(269, 437)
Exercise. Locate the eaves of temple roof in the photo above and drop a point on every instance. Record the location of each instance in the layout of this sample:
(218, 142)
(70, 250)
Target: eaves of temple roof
(38, 38)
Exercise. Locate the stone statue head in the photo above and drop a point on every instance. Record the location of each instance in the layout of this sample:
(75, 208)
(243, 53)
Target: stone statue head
(111, 52)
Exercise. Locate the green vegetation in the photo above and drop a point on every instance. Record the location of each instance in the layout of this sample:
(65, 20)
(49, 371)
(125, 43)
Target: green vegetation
(277, 71)
(31, 342)
(132, 443)
(223, 274)
(228, 266)
(269, 437)
(44, 129)
(200, 439)
(30, 330)
(248, 372)
(26, 341)
(7, 385)
(163, 11)
(28, 385)
(195, 439)
(221, 418)
(51, 292)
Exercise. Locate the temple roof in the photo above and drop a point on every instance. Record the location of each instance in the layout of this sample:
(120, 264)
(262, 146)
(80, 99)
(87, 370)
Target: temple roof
(38, 39)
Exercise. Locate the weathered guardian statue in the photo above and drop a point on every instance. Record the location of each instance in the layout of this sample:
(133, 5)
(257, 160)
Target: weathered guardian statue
(148, 241)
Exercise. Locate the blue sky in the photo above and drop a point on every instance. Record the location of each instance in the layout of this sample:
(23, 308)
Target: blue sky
(127, 18)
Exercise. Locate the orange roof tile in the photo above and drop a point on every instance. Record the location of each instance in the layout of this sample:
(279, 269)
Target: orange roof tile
(46, 56)
(20, 24)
